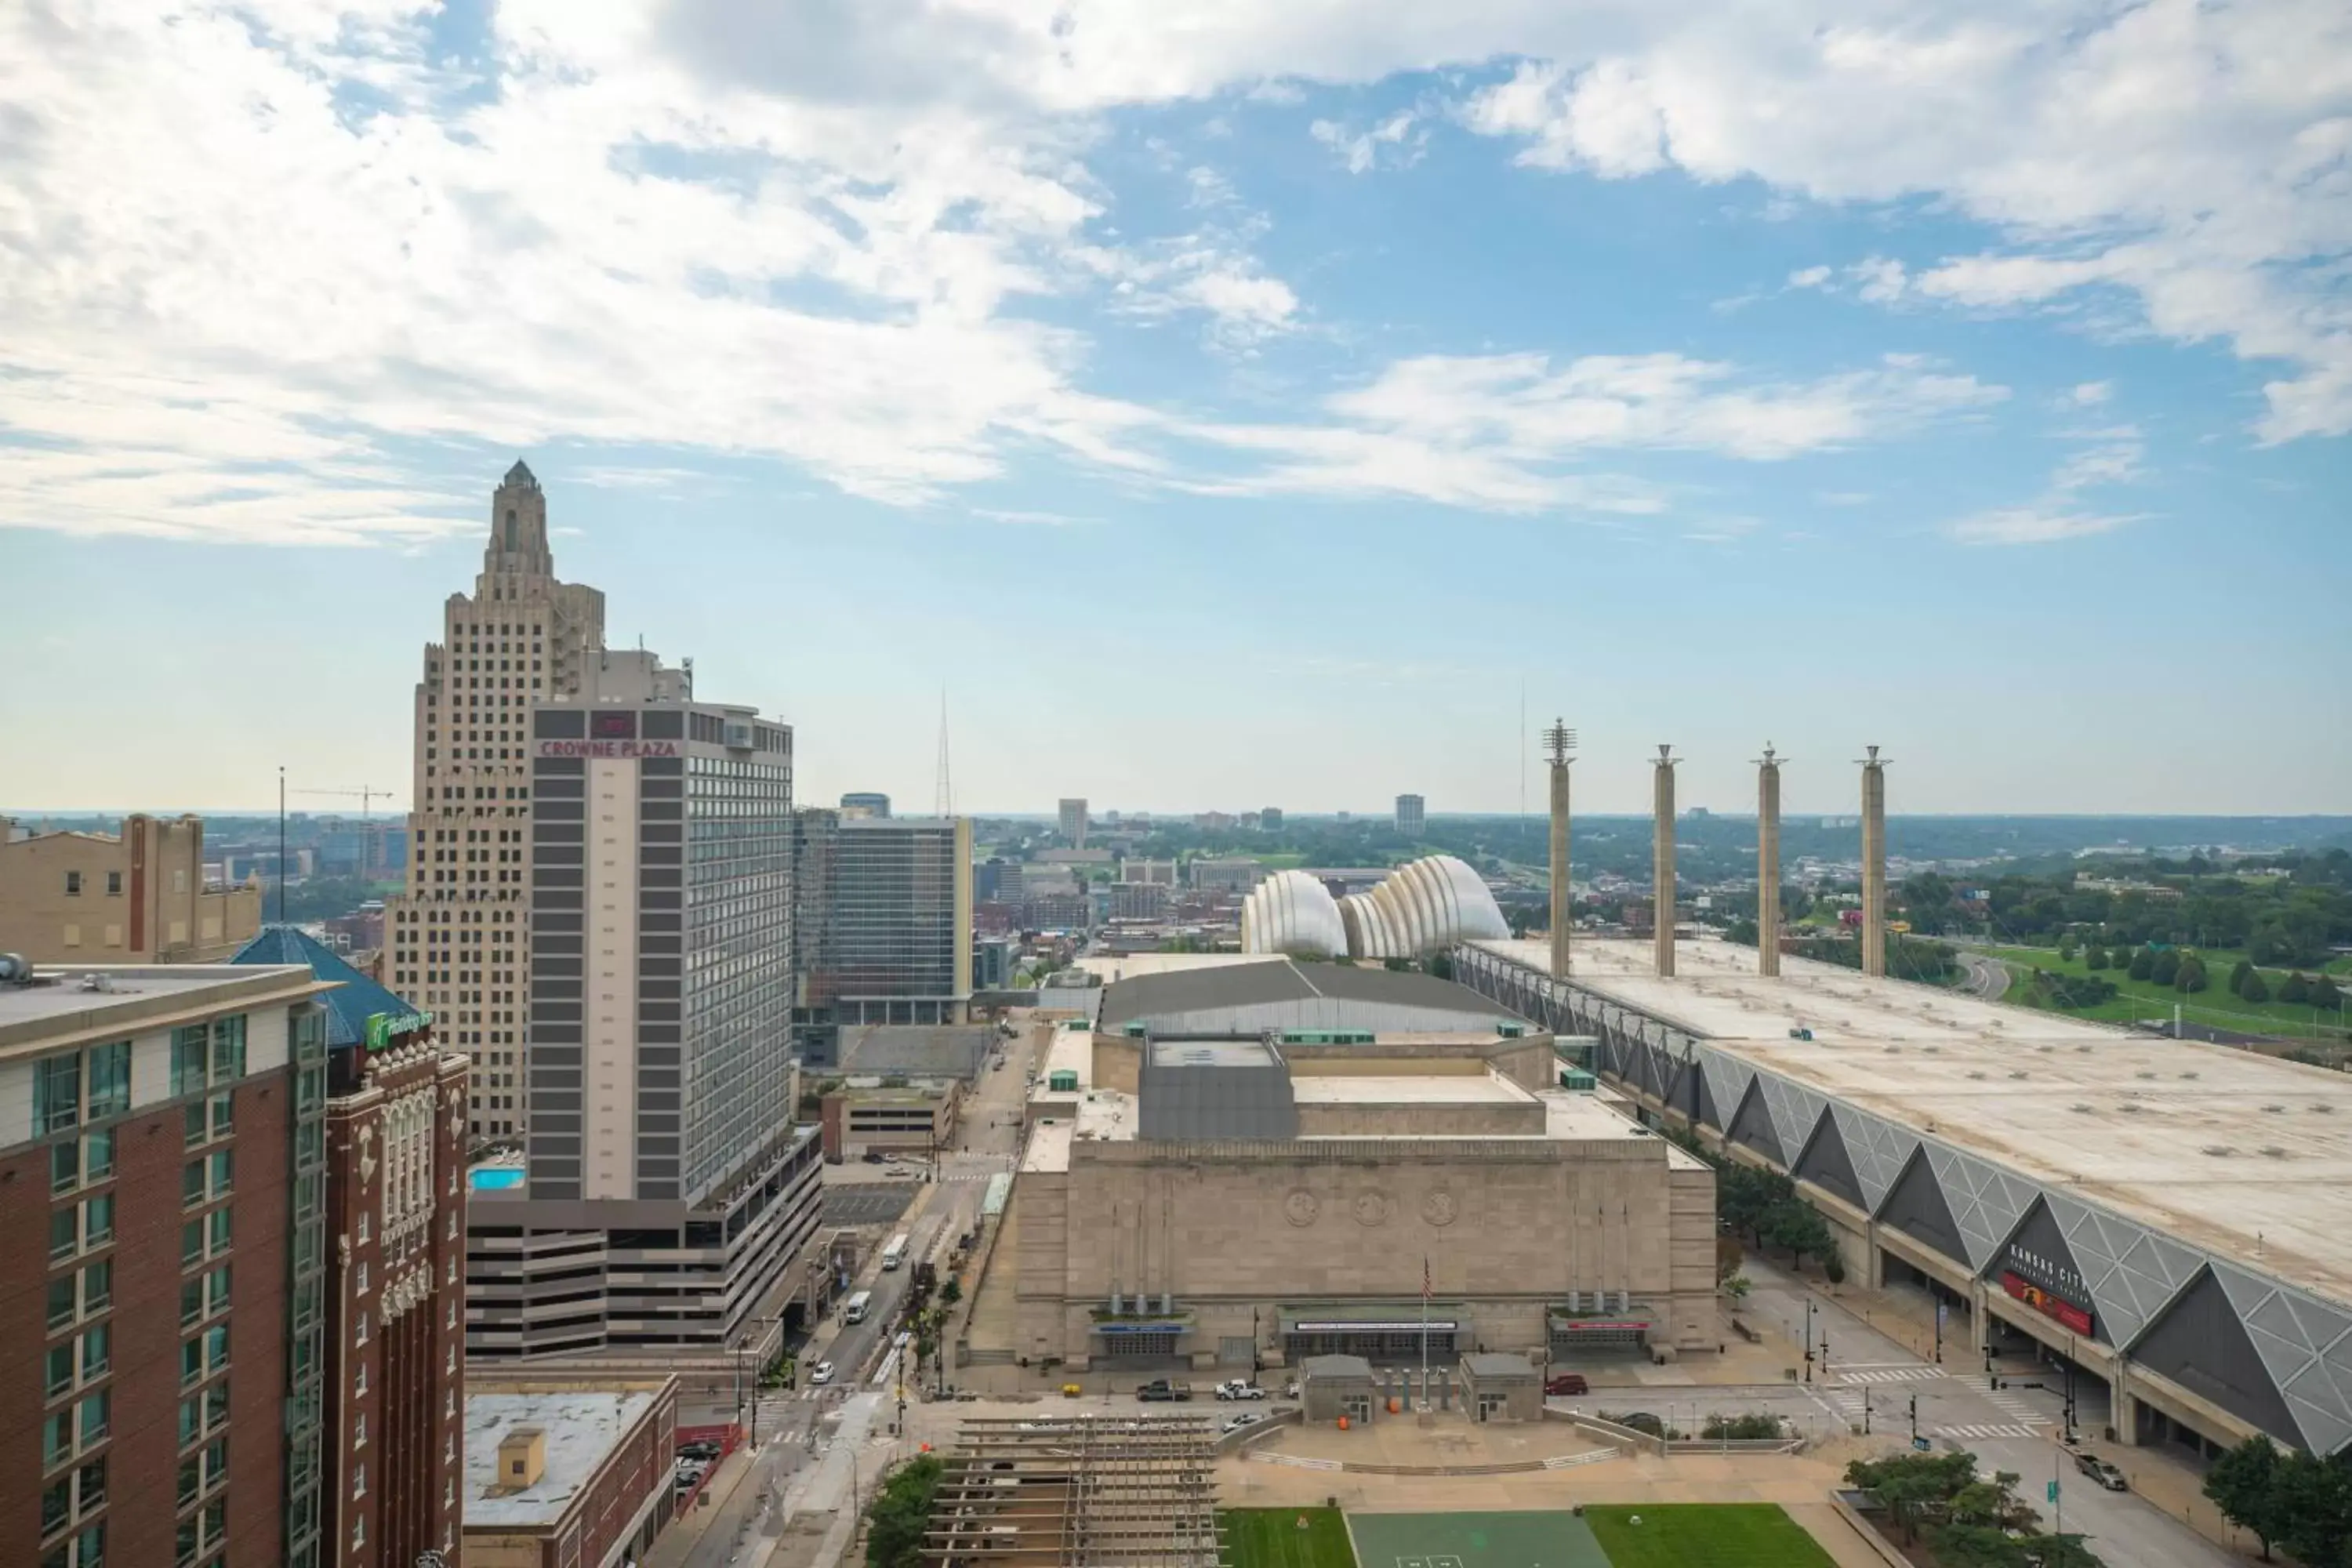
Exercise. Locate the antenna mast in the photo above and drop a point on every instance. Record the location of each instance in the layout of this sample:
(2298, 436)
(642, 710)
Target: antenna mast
(944, 804)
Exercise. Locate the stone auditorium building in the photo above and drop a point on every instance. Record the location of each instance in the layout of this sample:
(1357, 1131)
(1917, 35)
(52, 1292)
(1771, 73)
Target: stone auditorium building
(1246, 1197)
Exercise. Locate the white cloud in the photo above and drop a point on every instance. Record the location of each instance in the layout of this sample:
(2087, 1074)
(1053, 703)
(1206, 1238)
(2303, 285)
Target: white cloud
(2090, 394)
(2193, 156)
(2112, 456)
(1809, 277)
(1386, 144)
(2033, 525)
(253, 258)
(1507, 432)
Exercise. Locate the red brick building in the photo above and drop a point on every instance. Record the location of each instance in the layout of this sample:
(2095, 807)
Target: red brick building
(159, 1165)
(391, 1424)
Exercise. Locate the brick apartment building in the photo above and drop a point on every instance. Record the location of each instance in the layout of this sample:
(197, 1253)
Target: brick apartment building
(394, 1276)
(162, 1182)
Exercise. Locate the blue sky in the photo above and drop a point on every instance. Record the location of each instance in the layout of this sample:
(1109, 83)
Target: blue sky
(1225, 406)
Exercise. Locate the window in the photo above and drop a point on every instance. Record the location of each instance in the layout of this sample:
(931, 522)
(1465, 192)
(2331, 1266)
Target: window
(93, 1416)
(97, 1354)
(65, 1166)
(358, 1330)
(97, 1156)
(114, 884)
(73, 884)
(57, 1438)
(205, 1119)
(79, 1226)
(359, 1381)
(359, 1285)
(358, 1430)
(229, 1048)
(57, 1093)
(58, 1371)
(109, 1081)
(359, 1532)
(359, 1480)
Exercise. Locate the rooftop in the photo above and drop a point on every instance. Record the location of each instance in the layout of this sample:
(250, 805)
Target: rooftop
(1182, 1052)
(1452, 1089)
(61, 1003)
(356, 998)
(2247, 1156)
(582, 1427)
(1175, 991)
(916, 1051)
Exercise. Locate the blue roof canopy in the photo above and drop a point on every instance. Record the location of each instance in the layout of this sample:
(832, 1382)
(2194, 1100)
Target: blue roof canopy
(355, 998)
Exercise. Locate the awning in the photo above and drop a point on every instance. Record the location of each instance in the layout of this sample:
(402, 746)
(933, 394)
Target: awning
(1390, 1317)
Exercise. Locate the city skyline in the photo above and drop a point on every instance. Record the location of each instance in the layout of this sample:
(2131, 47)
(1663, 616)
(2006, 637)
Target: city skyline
(2009, 434)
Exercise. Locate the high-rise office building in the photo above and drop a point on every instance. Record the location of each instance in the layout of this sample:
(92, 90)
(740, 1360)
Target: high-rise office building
(865, 802)
(1074, 824)
(1409, 816)
(459, 933)
(165, 1148)
(390, 1271)
(665, 1186)
(884, 910)
(1270, 818)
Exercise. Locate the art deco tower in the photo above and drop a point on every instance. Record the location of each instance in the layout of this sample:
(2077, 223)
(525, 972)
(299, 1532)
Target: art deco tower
(459, 934)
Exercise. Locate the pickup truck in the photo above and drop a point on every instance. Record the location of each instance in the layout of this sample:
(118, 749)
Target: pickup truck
(1161, 1389)
(1239, 1388)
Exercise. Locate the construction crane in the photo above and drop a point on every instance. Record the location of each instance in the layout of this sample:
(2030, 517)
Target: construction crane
(366, 792)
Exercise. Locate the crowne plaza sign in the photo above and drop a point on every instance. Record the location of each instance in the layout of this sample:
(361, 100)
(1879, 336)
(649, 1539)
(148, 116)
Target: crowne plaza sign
(614, 751)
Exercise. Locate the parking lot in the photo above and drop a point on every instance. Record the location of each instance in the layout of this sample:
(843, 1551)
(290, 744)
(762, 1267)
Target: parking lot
(867, 1202)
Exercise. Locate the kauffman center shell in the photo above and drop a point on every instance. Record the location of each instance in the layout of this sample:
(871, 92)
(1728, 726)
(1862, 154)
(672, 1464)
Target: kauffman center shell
(1424, 907)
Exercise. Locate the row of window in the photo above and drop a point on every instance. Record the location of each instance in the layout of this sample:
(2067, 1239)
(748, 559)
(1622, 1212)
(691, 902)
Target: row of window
(114, 884)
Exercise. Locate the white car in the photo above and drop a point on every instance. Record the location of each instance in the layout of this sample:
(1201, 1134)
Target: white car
(1239, 1388)
(820, 1375)
(1246, 1418)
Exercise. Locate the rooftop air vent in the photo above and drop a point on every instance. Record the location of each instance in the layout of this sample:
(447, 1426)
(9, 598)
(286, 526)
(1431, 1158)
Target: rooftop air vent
(2274, 1111)
(2219, 1151)
(2272, 1151)
(2145, 1075)
(2045, 1050)
(2131, 1107)
(1976, 1075)
(2189, 1074)
(2017, 1075)
(2080, 1109)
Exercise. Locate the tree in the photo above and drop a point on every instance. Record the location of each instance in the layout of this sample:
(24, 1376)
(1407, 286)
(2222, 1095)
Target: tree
(1799, 1227)
(2097, 958)
(2165, 967)
(951, 1293)
(899, 1513)
(2244, 1485)
(2316, 1497)
(2322, 992)
(2296, 989)
(2191, 977)
(2143, 963)
(1738, 1287)
(2066, 951)
(1913, 1488)
(2240, 972)
(2256, 989)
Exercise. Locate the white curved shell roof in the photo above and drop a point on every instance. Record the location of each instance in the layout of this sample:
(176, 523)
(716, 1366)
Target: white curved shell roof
(1427, 905)
(1290, 912)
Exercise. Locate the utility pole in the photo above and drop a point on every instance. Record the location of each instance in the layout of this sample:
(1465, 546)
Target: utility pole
(1809, 1338)
(1866, 1412)
(1915, 1420)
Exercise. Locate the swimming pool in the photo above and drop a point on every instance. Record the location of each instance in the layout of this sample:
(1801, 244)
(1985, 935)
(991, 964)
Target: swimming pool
(494, 1177)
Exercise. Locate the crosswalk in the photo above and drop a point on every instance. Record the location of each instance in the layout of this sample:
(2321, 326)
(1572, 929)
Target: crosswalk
(1982, 1430)
(1906, 1373)
(2008, 1403)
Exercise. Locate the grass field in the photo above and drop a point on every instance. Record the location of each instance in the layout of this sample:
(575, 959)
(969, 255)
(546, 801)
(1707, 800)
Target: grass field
(2145, 999)
(1530, 1540)
(1270, 1537)
(1703, 1535)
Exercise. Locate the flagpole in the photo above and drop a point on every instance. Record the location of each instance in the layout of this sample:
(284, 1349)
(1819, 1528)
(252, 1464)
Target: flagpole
(1424, 1332)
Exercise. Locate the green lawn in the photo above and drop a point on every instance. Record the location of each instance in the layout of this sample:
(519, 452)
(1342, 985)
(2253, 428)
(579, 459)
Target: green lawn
(1270, 1537)
(2145, 999)
(1704, 1535)
(1531, 1539)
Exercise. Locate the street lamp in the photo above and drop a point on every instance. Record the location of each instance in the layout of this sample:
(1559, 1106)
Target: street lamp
(1809, 1338)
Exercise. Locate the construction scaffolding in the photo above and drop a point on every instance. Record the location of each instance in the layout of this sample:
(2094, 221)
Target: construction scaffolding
(1079, 1491)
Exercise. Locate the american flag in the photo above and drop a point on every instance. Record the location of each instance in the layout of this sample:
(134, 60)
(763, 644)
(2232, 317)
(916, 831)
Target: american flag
(1424, 1280)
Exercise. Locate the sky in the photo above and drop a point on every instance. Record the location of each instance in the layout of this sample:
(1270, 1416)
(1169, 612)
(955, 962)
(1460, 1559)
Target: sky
(1212, 404)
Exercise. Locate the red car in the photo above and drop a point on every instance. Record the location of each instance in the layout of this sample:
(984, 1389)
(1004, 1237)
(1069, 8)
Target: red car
(1566, 1383)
